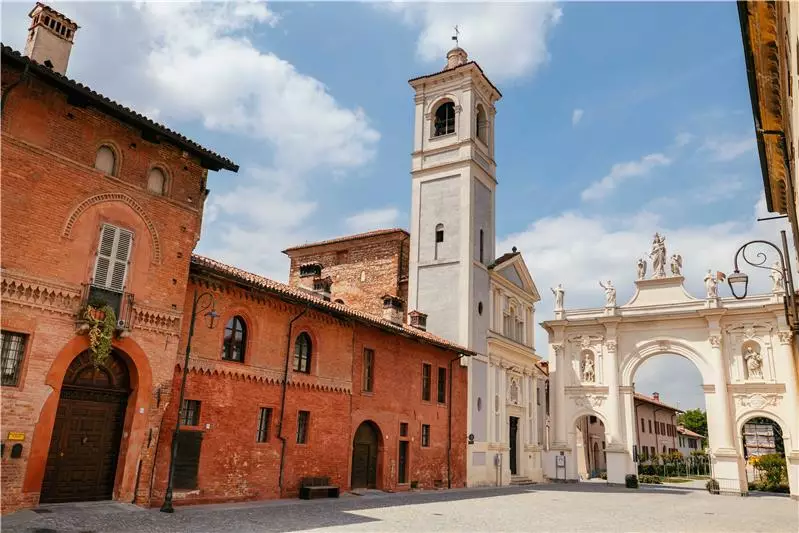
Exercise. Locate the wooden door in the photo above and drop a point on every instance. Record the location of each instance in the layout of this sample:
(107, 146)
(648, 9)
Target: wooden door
(513, 431)
(364, 457)
(402, 472)
(84, 449)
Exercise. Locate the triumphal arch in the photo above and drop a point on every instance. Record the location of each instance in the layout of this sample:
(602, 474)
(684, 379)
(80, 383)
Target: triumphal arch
(743, 349)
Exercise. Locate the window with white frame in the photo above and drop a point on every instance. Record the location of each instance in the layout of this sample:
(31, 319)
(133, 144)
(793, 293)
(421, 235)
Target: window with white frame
(512, 321)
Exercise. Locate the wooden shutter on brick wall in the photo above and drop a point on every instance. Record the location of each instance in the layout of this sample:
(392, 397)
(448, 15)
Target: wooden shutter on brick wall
(187, 462)
(113, 254)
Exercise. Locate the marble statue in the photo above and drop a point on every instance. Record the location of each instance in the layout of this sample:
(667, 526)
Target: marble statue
(658, 255)
(754, 363)
(610, 294)
(588, 368)
(711, 285)
(676, 265)
(641, 268)
(776, 277)
(558, 292)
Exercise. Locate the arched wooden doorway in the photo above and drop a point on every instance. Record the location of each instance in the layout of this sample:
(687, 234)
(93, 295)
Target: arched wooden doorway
(84, 449)
(364, 456)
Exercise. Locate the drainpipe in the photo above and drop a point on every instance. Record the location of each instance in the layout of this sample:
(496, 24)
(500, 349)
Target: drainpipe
(283, 401)
(13, 85)
(449, 421)
(637, 430)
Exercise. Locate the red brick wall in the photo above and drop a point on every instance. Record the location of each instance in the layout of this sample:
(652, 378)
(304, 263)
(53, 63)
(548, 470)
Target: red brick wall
(382, 259)
(233, 466)
(49, 237)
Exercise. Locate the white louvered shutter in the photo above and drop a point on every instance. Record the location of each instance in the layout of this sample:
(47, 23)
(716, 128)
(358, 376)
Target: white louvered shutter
(112, 258)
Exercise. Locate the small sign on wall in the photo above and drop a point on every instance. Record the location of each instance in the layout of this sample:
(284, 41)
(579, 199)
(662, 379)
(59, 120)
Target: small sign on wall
(16, 435)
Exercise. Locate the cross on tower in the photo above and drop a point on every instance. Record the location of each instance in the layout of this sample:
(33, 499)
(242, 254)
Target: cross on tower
(457, 34)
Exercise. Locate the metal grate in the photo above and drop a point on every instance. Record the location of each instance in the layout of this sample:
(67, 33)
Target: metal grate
(13, 349)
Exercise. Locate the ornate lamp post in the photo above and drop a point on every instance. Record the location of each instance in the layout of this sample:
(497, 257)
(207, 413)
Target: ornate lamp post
(741, 280)
(201, 303)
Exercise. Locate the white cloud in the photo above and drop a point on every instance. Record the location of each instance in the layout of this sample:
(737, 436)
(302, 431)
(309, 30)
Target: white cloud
(729, 149)
(578, 250)
(577, 116)
(683, 138)
(373, 219)
(620, 172)
(509, 40)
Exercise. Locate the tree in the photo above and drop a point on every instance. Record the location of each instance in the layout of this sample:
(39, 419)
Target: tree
(695, 420)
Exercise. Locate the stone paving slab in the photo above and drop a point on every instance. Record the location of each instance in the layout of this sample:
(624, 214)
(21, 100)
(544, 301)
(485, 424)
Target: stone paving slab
(570, 507)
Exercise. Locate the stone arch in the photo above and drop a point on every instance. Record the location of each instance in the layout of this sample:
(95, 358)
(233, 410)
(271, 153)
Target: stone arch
(116, 197)
(662, 346)
(367, 452)
(584, 411)
(433, 105)
(743, 418)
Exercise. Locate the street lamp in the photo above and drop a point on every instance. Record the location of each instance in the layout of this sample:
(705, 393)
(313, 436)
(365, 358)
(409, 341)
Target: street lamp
(740, 280)
(201, 303)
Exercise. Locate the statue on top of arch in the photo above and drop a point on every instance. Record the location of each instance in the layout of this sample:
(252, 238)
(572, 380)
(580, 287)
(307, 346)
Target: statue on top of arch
(658, 255)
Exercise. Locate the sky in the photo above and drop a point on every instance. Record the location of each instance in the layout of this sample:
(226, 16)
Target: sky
(617, 120)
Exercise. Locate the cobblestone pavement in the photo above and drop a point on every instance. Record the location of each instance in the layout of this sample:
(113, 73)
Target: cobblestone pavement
(550, 507)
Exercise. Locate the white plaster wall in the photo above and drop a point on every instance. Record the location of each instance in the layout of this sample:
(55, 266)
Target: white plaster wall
(440, 203)
(479, 375)
(483, 219)
(480, 294)
(439, 298)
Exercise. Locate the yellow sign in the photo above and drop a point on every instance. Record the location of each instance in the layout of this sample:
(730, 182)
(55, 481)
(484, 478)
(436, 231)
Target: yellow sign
(16, 435)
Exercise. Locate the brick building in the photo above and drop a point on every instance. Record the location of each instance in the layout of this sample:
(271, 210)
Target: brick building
(101, 210)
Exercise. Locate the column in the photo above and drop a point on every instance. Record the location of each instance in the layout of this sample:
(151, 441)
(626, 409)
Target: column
(786, 353)
(611, 376)
(535, 413)
(721, 410)
(560, 396)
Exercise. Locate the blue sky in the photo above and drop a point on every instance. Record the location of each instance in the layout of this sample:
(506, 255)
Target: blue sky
(618, 120)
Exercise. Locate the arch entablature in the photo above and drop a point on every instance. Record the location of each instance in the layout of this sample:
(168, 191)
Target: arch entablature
(661, 346)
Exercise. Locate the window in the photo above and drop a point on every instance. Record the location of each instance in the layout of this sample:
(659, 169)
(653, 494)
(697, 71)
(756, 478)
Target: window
(190, 413)
(442, 385)
(662, 428)
(652, 451)
(425, 435)
(444, 122)
(156, 181)
(368, 369)
(106, 161)
(427, 370)
(111, 266)
(439, 239)
(512, 323)
(592, 419)
(643, 427)
(650, 426)
(264, 421)
(303, 418)
(13, 349)
(302, 353)
(481, 245)
(403, 429)
(235, 340)
(480, 123)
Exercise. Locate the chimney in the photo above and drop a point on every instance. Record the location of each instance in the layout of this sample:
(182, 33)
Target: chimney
(392, 309)
(321, 286)
(50, 38)
(656, 396)
(418, 320)
(308, 273)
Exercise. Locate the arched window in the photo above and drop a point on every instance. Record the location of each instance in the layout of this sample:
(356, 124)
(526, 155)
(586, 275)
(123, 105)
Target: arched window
(235, 340)
(302, 353)
(439, 239)
(481, 131)
(444, 122)
(106, 161)
(156, 181)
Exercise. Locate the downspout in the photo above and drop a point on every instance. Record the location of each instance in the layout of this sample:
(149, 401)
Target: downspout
(13, 85)
(449, 421)
(637, 431)
(283, 400)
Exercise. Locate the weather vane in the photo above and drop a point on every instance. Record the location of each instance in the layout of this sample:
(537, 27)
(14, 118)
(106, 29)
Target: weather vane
(455, 37)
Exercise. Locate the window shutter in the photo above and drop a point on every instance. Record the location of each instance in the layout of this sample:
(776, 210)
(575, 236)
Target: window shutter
(112, 258)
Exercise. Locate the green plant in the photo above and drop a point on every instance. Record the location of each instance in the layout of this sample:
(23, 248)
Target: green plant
(631, 481)
(773, 469)
(102, 323)
(414, 484)
(712, 486)
(650, 479)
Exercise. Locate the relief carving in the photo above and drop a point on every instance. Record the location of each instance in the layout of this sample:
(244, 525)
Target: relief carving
(715, 341)
(589, 400)
(757, 400)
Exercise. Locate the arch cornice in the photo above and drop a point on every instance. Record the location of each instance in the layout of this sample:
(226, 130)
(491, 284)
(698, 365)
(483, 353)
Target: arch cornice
(116, 197)
(661, 346)
(749, 414)
(434, 102)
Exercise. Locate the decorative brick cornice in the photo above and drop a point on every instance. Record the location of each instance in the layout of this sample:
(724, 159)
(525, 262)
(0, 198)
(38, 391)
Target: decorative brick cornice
(156, 320)
(28, 291)
(125, 199)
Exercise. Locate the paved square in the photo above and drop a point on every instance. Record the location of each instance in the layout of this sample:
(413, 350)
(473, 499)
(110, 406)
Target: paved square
(552, 507)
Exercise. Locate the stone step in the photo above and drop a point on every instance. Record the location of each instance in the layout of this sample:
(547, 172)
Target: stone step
(521, 480)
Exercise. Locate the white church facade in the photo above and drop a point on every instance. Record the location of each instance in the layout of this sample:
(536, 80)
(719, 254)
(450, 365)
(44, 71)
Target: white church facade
(743, 350)
(471, 297)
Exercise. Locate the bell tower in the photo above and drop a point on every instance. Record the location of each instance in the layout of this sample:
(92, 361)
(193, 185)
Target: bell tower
(453, 178)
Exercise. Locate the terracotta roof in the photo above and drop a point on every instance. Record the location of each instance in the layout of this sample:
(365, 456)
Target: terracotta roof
(77, 90)
(290, 293)
(649, 399)
(347, 238)
(468, 63)
(501, 259)
(688, 433)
